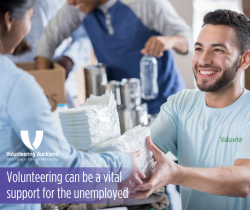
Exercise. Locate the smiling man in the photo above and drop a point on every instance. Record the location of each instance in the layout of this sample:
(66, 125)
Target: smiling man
(208, 129)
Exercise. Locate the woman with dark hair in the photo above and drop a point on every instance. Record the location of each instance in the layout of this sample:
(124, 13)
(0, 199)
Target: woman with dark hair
(23, 106)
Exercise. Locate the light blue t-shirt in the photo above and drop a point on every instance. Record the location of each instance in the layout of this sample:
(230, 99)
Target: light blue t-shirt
(23, 106)
(200, 136)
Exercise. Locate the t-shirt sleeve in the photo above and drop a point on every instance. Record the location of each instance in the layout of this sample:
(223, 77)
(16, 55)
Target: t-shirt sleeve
(161, 16)
(29, 110)
(243, 151)
(164, 128)
(67, 20)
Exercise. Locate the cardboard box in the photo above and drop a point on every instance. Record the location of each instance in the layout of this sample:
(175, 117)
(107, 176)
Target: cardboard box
(51, 80)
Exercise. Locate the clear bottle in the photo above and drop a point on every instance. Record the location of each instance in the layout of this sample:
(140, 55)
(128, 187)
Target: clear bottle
(149, 75)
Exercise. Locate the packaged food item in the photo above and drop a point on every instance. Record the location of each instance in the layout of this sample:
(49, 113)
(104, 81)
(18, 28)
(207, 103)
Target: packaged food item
(91, 124)
(131, 141)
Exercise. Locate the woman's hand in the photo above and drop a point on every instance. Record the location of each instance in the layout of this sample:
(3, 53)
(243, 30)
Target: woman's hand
(136, 177)
(165, 173)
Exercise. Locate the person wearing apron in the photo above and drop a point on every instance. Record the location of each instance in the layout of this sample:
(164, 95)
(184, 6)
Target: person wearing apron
(121, 31)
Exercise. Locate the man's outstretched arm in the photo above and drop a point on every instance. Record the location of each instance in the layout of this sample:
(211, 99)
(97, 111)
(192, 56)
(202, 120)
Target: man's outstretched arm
(228, 181)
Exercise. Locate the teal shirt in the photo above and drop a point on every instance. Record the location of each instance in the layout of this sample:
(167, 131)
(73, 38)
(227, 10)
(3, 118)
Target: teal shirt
(23, 106)
(200, 136)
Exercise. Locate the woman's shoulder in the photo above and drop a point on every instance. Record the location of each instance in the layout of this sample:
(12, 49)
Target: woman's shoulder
(20, 88)
(8, 70)
(12, 77)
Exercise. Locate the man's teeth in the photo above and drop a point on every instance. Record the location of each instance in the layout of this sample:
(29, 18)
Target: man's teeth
(207, 72)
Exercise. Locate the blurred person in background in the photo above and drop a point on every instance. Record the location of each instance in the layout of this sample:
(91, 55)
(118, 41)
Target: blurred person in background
(121, 32)
(24, 107)
(72, 56)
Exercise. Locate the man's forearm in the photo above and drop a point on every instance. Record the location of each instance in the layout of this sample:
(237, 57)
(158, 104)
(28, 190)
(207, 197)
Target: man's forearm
(180, 44)
(42, 63)
(229, 181)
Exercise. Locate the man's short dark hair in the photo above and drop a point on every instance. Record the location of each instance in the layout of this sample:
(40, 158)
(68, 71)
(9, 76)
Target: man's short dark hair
(230, 18)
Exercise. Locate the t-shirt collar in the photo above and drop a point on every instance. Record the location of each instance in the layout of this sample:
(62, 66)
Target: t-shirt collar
(106, 6)
(225, 109)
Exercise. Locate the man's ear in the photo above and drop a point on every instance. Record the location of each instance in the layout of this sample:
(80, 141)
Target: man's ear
(8, 21)
(245, 60)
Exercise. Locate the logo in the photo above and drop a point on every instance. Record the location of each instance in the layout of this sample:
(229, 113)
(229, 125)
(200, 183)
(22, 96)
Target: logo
(26, 140)
(226, 139)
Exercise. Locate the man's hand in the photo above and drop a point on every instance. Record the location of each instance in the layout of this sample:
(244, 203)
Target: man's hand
(67, 63)
(157, 45)
(235, 180)
(136, 177)
(164, 174)
(42, 63)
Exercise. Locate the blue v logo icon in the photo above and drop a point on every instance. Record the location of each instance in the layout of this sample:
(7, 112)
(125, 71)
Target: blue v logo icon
(26, 140)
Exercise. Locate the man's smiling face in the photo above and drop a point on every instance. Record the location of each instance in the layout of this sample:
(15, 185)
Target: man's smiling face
(216, 57)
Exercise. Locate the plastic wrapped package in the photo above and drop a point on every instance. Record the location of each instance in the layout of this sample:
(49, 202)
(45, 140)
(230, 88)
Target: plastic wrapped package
(91, 124)
(133, 140)
(114, 145)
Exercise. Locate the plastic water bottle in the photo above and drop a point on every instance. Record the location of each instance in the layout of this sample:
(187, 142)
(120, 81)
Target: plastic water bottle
(149, 75)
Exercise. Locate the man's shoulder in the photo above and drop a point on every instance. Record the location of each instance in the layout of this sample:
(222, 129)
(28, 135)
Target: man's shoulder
(152, 4)
(143, 1)
(246, 99)
(247, 93)
(184, 100)
(187, 95)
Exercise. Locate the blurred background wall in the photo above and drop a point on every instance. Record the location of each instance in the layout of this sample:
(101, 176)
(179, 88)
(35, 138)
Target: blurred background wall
(185, 9)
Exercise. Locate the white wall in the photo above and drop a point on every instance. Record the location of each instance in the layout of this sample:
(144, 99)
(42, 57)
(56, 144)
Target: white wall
(185, 10)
